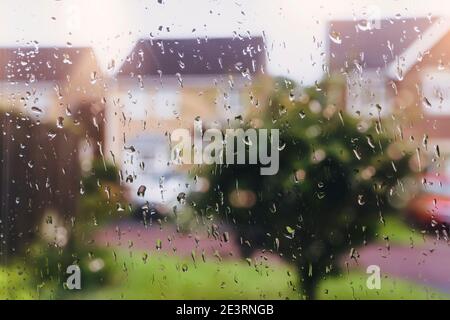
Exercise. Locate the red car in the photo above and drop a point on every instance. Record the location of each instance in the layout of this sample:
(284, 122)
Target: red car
(431, 206)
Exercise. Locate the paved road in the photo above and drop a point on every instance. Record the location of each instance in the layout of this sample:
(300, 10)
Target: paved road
(428, 263)
(134, 235)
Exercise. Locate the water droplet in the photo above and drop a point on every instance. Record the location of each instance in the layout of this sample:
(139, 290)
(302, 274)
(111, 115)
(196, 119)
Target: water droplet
(93, 77)
(302, 114)
(357, 154)
(158, 244)
(361, 200)
(66, 59)
(336, 37)
(141, 191)
(60, 122)
(36, 109)
(181, 198)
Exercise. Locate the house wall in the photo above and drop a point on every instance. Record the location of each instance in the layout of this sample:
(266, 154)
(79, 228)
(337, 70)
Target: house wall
(87, 82)
(53, 96)
(411, 106)
(28, 99)
(137, 130)
(77, 99)
(199, 97)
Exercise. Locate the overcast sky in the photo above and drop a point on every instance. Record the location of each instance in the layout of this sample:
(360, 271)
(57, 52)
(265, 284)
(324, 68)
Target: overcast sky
(296, 30)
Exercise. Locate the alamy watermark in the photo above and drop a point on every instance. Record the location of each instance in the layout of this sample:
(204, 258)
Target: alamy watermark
(374, 279)
(235, 146)
(74, 280)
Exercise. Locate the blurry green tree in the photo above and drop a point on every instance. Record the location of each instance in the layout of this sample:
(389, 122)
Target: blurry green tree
(335, 179)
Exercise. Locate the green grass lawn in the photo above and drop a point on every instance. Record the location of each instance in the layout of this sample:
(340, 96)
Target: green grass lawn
(399, 232)
(16, 284)
(169, 277)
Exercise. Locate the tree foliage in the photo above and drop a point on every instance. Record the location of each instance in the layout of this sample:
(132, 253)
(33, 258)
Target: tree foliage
(336, 176)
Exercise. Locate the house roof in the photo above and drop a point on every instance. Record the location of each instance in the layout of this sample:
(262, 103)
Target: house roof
(407, 59)
(375, 47)
(195, 57)
(40, 63)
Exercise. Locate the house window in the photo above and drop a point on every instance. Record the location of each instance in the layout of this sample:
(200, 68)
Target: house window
(229, 104)
(136, 103)
(148, 166)
(166, 103)
(36, 100)
(366, 94)
(151, 149)
(436, 93)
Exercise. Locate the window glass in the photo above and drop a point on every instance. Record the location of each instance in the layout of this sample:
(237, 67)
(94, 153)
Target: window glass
(436, 91)
(367, 94)
(167, 103)
(136, 104)
(244, 150)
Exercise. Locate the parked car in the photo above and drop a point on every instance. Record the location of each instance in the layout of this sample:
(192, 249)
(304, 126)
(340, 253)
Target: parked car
(151, 183)
(431, 205)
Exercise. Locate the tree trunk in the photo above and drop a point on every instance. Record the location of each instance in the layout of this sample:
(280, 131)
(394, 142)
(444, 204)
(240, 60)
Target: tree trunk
(308, 288)
(307, 282)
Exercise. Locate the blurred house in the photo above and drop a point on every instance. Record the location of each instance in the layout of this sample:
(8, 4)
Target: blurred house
(396, 66)
(166, 84)
(49, 99)
(45, 81)
(63, 85)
